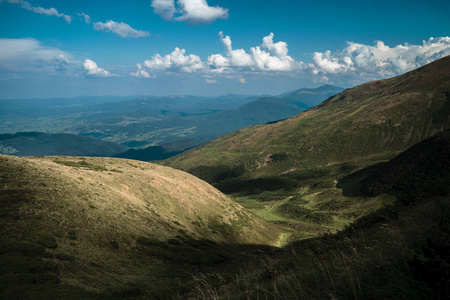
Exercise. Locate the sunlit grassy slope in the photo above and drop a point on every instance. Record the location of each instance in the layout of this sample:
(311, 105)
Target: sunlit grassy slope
(74, 227)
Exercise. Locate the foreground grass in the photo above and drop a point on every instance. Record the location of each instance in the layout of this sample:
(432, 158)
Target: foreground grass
(400, 252)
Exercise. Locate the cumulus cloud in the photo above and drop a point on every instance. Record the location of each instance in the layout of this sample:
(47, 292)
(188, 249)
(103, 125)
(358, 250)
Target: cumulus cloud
(94, 70)
(121, 29)
(176, 61)
(269, 56)
(140, 73)
(30, 55)
(194, 12)
(354, 64)
(379, 60)
(40, 10)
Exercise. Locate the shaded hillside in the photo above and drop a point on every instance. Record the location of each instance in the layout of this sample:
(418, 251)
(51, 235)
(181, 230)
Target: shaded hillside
(401, 251)
(420, 171)
(88, 228)
(159, 152)
(356, 128)
(39, 143)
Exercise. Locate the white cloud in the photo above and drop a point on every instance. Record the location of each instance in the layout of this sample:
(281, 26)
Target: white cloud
(87, 18)
(269, 56)
(195, 12)
(40, 10)
(380, 60)
(199, 12)
(176, 61)
(94, 70)
(164, 8)
(121, 29)
(140, 73)
(29, 55)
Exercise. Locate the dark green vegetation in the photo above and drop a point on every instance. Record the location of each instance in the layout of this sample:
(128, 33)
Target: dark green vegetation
(105, 228)
(38, 143)
(153, 121)
(401, 251)
(159, 152)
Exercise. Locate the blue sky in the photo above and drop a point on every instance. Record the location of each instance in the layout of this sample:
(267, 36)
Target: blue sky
(52, 48)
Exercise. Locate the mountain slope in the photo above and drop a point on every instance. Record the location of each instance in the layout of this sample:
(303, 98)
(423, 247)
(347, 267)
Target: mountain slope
(399, 252)
(81, 228)
(39, 143)
(353, 129)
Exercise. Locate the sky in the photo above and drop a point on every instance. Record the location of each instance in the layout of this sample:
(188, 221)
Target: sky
(51, 48)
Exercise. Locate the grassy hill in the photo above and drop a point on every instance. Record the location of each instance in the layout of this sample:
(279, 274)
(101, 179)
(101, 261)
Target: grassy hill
(399, 252)
(39, 143)
(96, 228)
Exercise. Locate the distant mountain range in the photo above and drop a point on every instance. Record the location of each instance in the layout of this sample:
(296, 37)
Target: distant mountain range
(147, 124)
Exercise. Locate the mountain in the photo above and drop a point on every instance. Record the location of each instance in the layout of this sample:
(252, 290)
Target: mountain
(351, 130)
(108, 228)
(312, 97)
(39, 143)
(401, 251)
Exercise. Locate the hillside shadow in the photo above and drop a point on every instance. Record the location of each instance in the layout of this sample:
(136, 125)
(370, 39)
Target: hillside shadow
(352, 184)
(168, 269)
